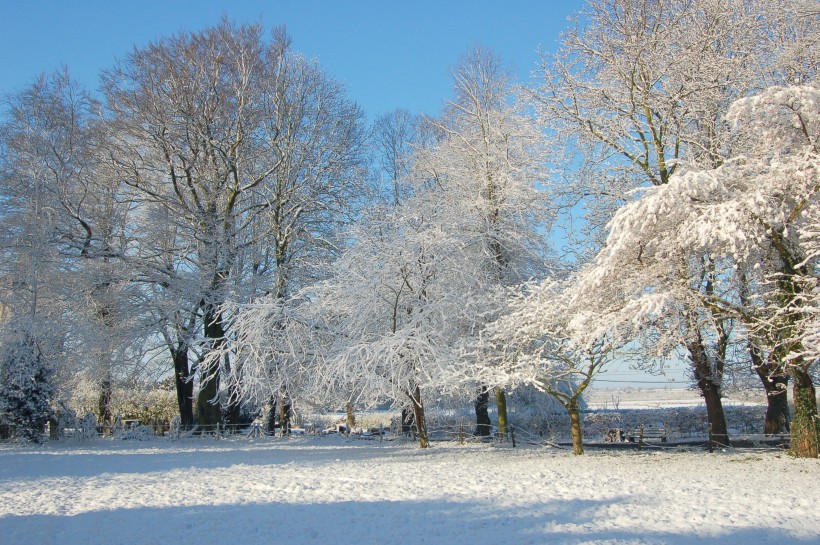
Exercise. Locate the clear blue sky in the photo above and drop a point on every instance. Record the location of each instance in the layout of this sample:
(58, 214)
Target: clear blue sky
(389, 54)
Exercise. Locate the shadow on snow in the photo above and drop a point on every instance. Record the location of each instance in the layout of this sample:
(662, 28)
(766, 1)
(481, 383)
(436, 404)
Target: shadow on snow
(356, 523)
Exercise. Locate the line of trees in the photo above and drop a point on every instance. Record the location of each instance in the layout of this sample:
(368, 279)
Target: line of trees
(220, 210)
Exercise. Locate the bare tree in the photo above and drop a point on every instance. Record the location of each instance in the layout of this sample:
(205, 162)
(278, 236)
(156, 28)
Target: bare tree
(250, 151)
(487, 168)
(394, 137)
(78, 219)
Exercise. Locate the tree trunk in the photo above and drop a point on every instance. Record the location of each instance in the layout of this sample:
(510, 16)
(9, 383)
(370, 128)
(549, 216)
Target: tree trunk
(208, 411)
(184, 387)
(718, 431)
(351, 416)
(418, 413)
(483, 425)
(775, 382)
(104, 403)
(53, 428)
(777, 408)
(575, 430)
(285, 414)
(270, 416)
(709, 386)
(501, 404)
(805, 428)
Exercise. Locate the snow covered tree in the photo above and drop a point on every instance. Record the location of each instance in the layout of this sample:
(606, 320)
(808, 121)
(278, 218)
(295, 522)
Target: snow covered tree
(637, 94)
(422, 275)
(250, 152)
(752, 213)
(633, 90)
(27, 389)
(639, 87)
(397, 304)
(394, 136)
(64, 224)
(762, 215)
(552, 340)
(486, 173)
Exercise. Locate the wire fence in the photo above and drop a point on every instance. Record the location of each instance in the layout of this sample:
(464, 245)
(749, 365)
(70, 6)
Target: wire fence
(680, 426)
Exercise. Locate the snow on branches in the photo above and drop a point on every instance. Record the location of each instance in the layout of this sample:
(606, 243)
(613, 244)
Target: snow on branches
(737, 242)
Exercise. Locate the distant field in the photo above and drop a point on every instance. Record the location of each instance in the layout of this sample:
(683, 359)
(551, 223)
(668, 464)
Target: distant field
(659, 398)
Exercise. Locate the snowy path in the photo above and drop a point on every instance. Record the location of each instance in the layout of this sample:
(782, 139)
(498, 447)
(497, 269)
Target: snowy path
(327, 491)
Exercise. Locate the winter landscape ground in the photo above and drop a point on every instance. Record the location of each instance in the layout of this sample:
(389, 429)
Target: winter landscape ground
(336, 490)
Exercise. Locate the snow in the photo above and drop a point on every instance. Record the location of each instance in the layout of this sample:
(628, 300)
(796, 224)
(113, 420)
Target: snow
(663, 398)
(333, 490)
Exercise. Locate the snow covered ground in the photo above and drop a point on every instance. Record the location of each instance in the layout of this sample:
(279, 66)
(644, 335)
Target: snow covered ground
(334, 490)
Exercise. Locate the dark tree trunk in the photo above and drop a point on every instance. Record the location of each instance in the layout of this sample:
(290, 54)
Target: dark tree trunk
(708, 382)
(777, 408)
(418, 414)
(208, 412)
(775, 382)
(718, 432)
(501, 404)
(184, 386)
(105, 404)
(285, 414)
(105, 319)
(805, 428)
(270, 416)
(351, 416)
(53, 428)
(575, 430)
(483, 425)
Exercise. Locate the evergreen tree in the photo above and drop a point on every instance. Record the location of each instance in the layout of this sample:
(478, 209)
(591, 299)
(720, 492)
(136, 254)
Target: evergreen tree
(26, 388)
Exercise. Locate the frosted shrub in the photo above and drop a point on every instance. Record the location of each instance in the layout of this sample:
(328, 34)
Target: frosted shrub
(597, 424)
(175, 428)
(64, 419)
(136, 433)
(88, 427)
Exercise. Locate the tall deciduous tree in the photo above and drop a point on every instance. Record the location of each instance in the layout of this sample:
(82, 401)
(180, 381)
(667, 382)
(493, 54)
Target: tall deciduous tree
(486, 171)
(638, 91)
(66, 218)
(761, 215)
(250, 151)
(754, 211)
(397, 303)
(394, 138)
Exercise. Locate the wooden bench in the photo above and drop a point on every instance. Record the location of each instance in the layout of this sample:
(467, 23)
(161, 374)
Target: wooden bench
(642, 434)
